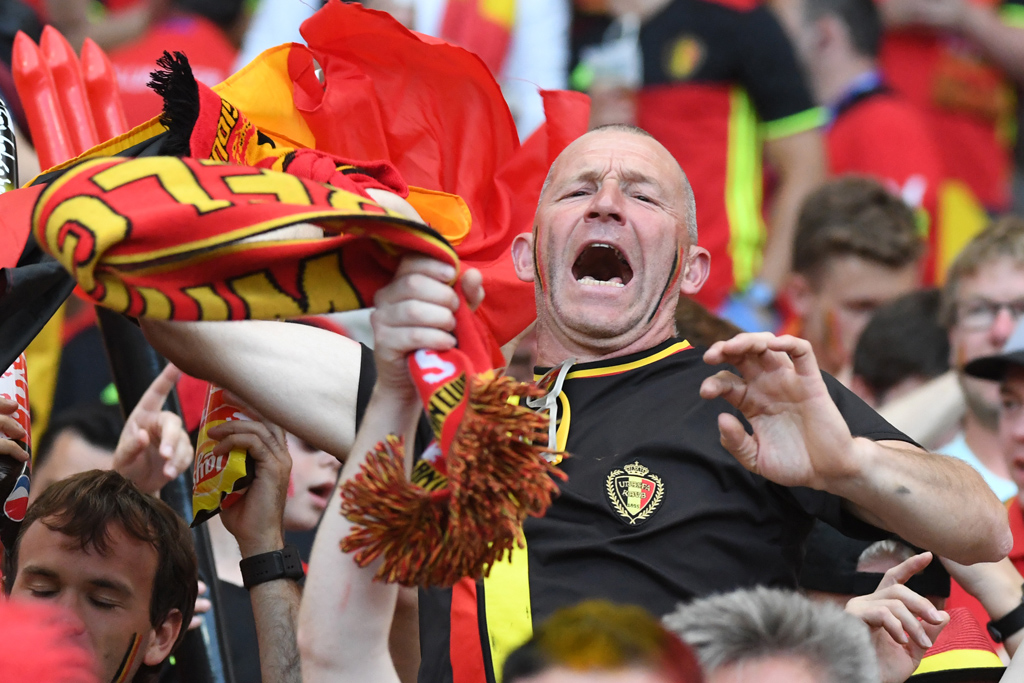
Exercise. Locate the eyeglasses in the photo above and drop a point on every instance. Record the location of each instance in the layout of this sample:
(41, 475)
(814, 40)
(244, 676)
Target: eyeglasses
(979, 314)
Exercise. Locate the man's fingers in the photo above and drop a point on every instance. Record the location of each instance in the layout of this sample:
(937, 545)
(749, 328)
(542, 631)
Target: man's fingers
(735, 439)
(425, 265)
(765, 349)
(159, 389)
(8, 406)
(902, 572)
(170, 431)
(414, 314)
(10, 428)
(11, 448)
(417, 287)
(920, 606)
(250, 434)
(905, 621)
(473, 288)
(725, 385)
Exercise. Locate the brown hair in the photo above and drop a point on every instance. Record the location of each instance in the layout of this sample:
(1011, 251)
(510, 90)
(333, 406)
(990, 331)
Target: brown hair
(83, 507)
(597, 635)
(1003, 238)
(854, 216)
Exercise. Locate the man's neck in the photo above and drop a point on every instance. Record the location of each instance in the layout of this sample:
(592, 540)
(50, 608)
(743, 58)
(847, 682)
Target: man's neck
(552, 349)
(832, 84)
(984, 444)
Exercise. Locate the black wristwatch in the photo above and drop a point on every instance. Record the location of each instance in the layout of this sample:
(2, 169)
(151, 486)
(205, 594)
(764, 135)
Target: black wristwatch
(1001, 629)
(277, 564)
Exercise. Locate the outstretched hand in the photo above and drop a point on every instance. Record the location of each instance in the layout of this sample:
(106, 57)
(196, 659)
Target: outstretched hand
(154, 447)
(10, 430)
(799, 436)
(903, 624)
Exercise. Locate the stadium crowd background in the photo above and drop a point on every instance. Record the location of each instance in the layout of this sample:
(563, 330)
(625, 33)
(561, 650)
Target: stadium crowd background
(857, 177)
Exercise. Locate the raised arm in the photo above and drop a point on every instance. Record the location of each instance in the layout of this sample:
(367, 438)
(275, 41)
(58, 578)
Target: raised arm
(801, 439)
(256, 522)
(346, 616)
(302, 378)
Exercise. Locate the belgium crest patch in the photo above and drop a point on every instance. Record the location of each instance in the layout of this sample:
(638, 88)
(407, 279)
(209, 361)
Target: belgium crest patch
(635, 492)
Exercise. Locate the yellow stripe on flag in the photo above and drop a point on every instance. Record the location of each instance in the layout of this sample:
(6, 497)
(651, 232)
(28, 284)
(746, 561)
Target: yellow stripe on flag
(743, 190)
(507, 600)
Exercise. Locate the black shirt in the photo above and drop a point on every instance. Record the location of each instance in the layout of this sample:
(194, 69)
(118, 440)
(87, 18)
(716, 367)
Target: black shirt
(655, 510)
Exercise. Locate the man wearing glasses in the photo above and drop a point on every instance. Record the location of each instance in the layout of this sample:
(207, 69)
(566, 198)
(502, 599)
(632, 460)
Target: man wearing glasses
(982, 300)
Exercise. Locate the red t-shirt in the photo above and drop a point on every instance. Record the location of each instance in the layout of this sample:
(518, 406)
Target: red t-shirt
(208, 50)
(882, 135)
(719, 78)
(968, 103)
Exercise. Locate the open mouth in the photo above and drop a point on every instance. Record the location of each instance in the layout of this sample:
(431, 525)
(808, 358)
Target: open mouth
(323, 492)
(602, 264)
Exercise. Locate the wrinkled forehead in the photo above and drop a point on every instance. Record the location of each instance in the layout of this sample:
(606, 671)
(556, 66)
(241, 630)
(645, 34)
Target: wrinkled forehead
(604, 151)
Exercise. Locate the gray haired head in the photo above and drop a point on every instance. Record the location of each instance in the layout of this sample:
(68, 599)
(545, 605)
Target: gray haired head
(758, 624)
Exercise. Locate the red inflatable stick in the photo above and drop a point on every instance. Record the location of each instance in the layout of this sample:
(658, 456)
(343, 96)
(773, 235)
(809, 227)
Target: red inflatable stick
(67, 76)
(38, 94)
(101, 87)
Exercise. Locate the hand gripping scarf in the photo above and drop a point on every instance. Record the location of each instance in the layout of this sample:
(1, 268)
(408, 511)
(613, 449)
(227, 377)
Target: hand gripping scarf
(165, 238)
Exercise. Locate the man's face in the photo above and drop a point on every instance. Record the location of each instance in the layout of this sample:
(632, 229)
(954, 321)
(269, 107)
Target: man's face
(835, 306)
(314, 473)
(780, 669)
(610, 247)
(977, 332)
(1011, 423)
(70, 454)
(110, 594)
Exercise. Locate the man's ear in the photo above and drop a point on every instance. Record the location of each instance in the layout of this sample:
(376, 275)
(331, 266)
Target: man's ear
(522, 256)
(162, 639)
(801, 297)
(696, 267)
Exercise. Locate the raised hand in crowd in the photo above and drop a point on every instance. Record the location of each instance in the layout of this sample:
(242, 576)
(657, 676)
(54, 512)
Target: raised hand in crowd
(903, 624)
(154, 447)
(800, 439)
(10, 430)
(256, 520)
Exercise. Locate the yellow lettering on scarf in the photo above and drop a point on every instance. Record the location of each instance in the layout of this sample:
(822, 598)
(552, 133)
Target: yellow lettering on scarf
(174, 177)
(287, 188)
(326, 286)
(211, 305)
(157, 304)
(80, 229)
(263, 299)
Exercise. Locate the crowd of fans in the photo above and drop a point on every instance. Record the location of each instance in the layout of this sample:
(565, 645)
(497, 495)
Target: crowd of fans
(848, 180)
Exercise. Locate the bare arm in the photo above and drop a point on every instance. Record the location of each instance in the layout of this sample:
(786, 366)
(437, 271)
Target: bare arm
(1002, 44)
(300, 377)
(256, 521)
(799, 160)
(926, 413)
(346, 616)
(904, 489)
(801, 439)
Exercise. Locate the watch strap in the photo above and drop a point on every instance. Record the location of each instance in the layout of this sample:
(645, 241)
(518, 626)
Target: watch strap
(277, 564)
(1004, 627)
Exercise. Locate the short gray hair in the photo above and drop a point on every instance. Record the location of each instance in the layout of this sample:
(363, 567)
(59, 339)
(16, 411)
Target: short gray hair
(761, 623)
(689, 203)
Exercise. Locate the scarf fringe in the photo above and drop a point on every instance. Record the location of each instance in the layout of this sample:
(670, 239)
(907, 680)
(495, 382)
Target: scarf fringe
(497, 476)
(176, 85)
